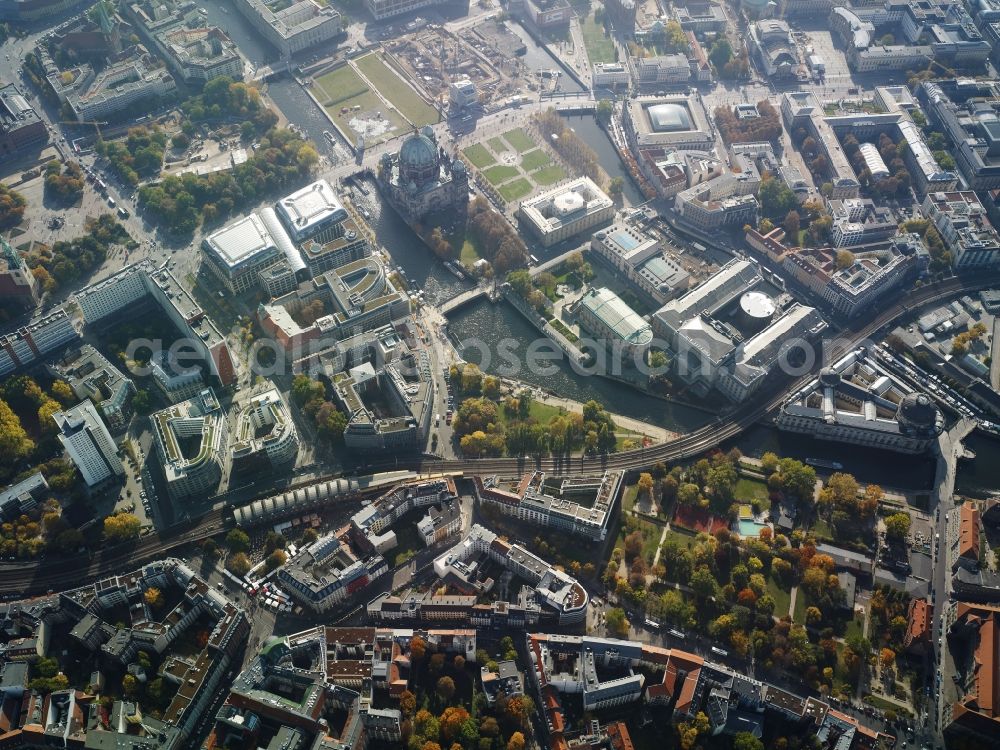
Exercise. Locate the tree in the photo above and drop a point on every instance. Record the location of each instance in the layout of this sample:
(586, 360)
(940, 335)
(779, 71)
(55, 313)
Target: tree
(489, 727)
(418, 647)
(12, 205)
(407, 703)
(153, 597)
(491, 387)
(275, 560)
(605, 109)
(616, 621)
(305, 389)
(121, 527)
(746, 741)
(452, 720)
(897, 526)
(237, 540)
(776, 198)
(445, 688)
(845, 259)
(633, 544)
(887, 657)
(14, 441)
(516, 741)
(436, 663)
(62, 392)
(616, 187)
(840, 493)
(274, 541)
(238, 564)
(721, 53)
(645, 485)
(330, 422)
(703, 583)
(688, 494)
(791, 227)
(797, 479)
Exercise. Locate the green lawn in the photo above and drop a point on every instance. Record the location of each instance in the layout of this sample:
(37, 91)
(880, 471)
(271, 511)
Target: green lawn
(341, 90)
(855, 626)
(469, 254)
(540, 412)
(781, 598)
(498, 146)
(479, 155)
(500, 173)
(534, 159)
(650, 535)
(822, 529)
(519, 140)
(515, 189)
(684, 539)
(397, 91)
(749, 490)
(628, 497)
(599, 47)
(799, 615)
(408, 541)
(548, 175)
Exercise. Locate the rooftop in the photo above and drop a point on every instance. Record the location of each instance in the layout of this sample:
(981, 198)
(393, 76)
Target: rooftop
(617, 317)
(245, 240)
(307, 210)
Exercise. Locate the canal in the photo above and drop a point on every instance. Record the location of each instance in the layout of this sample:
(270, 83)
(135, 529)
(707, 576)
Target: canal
(981, 476)
(482, 322)
(594, 136)
(867, 465)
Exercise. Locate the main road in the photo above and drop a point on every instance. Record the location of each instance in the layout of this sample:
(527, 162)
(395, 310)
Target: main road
(26, 578)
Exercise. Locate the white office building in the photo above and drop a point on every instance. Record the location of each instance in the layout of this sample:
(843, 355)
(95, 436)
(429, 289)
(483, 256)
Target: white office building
(88, 443)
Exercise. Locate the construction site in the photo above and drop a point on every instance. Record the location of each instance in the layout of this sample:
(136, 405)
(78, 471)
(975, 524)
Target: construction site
(433, 57)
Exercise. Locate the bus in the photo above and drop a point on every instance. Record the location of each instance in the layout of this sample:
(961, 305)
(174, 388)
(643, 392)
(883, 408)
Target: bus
(533, 259)
(652, 624)
(719, 651)
(677, 634)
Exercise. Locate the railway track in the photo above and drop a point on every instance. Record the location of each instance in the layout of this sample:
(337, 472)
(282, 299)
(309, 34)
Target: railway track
(22, 579)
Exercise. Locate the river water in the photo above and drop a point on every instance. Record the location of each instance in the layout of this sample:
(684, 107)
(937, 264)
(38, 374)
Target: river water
(980, 477)
(481, 321)
(493, 323)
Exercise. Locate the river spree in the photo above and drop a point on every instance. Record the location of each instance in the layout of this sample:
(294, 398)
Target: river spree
(981, 476)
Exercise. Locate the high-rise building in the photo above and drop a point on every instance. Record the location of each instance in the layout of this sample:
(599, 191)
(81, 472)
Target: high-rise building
(88, 443)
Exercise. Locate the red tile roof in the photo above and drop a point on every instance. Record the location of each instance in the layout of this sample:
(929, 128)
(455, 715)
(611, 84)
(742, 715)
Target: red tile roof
(968, 531)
